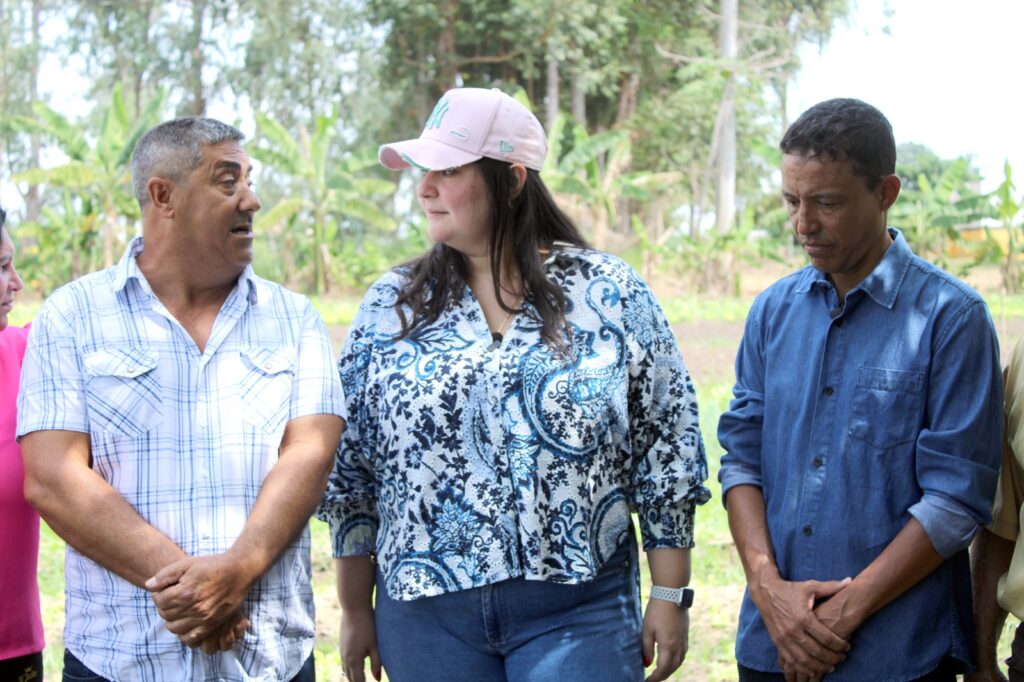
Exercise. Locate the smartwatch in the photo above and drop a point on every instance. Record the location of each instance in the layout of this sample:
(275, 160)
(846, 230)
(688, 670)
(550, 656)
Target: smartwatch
(680, 596)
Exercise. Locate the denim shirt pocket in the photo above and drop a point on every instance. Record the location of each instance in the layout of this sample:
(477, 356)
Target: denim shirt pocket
(122, 390)
(887, 406)
(266, 387)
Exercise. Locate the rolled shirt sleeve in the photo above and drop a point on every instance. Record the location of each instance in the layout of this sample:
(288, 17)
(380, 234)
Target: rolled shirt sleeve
(958, 453)
(739, 429)
(670, 464)
(349, 503)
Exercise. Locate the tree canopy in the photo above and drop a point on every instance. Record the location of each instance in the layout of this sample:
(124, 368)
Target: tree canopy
(643, 100)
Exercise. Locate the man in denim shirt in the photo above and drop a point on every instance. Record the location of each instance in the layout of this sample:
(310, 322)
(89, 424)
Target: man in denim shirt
(862, 443)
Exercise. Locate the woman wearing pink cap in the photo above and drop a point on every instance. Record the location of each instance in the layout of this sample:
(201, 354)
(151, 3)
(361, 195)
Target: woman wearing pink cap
(513, 396)
(21, 627)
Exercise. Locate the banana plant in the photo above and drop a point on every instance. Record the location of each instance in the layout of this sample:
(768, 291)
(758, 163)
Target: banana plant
(326, 193)
(1006, 210)
(592, 179)
(98, 166)
(929, 215)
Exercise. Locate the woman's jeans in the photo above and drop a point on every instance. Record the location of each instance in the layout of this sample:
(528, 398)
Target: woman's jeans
(519, 630)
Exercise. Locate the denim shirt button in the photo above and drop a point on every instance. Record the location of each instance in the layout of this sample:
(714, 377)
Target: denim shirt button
(817, 462)
(828, 390)
(808, 530)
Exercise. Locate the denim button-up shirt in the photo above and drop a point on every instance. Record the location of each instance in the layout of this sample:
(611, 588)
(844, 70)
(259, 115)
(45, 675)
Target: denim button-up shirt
(853, 419)
(466, 463)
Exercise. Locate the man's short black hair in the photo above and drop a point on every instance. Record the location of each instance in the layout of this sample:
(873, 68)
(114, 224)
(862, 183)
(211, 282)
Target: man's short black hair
(845, 129)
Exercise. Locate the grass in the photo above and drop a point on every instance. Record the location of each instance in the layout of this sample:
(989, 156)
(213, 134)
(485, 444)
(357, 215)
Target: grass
(717, 578)
(340, 311)
(717, 575)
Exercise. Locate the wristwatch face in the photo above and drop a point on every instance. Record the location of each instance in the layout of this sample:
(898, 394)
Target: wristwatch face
(687, 600)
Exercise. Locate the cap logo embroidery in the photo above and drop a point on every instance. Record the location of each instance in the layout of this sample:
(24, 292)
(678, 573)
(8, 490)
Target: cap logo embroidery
(504, 147)
(462, 132)
(413, 163)
(440, 109)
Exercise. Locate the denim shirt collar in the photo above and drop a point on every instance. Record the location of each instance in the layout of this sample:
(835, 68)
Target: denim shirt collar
(883, 284)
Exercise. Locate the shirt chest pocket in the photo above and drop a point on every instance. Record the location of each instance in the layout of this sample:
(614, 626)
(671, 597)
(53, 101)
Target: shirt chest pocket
(266, 386)
(887, 407)
(122, 390)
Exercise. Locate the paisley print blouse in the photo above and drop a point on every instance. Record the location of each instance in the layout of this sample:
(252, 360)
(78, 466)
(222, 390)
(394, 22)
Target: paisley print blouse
(464, 464)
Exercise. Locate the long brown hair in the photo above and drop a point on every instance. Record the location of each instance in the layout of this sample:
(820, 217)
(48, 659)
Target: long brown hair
(522, 226)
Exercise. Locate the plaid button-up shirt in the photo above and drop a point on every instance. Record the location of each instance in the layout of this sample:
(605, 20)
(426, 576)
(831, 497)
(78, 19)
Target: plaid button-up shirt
(187, 438)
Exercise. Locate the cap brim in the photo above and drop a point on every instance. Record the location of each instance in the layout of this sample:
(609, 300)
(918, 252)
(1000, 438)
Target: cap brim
(424, 154)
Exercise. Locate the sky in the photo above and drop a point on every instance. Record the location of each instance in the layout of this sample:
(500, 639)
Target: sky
(946, 73)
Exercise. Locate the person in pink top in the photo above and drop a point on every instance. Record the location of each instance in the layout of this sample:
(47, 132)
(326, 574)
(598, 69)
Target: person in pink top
(21, 626)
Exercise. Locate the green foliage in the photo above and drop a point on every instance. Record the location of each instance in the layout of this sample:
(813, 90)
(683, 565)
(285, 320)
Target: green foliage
(330, 80)
(20, 54)
(61, 247)
(712, 261)
(1006, 210)
(97, 210)
(330, 197)
(934, 202)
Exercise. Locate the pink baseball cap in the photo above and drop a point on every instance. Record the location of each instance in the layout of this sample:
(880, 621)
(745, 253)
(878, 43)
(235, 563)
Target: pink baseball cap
(466, 125)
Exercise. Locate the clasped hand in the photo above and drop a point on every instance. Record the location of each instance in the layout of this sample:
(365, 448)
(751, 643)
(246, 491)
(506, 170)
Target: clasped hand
(811, 641)
(201, 600)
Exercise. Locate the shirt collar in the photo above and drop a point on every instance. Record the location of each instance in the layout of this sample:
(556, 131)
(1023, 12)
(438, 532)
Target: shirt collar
(563, 250)
(882, 284)
(127, 269)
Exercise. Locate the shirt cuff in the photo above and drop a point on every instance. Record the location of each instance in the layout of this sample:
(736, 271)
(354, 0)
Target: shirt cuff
(354, 535)
(736, 474)
(667, 526)
(948, 527)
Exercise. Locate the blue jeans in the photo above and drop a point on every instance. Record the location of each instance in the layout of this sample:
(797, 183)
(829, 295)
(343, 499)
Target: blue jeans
(519, 630)
(75, 671)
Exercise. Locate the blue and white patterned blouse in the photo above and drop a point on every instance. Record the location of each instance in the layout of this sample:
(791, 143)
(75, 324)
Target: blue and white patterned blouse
(464, 465)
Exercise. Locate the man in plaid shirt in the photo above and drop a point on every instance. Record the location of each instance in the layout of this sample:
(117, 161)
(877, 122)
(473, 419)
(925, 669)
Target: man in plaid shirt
(179, 416)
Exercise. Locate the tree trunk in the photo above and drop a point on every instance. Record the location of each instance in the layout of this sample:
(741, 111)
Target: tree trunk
(579, 98)
(600, 232)
(629, 88)
(447, 74)
(782, 89)
(551, 106)
(109, 234)
(33, 207)
(319, 253)
(197, 106)
(725, 211)
(655, 233)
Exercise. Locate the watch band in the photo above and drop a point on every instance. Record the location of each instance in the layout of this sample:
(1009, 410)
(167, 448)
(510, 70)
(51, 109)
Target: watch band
(680, 596)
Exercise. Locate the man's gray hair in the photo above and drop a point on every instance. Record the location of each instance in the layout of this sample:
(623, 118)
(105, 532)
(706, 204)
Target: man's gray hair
(174, 149)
